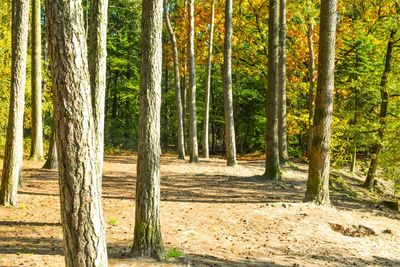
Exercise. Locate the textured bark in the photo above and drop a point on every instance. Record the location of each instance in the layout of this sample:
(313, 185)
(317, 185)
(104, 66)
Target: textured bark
(147, 238)
(98, 71)
(282, 127)
(36, 79)
(377, 148)
(206, 146)
(311, 92)
(12, 165)
(230, 143)
(272, 168)
(193, 146)
(51, 162)
(79, 174)
(318, 174)
(177, 83)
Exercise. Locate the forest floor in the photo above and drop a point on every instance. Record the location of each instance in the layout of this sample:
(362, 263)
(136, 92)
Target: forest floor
(215, 215)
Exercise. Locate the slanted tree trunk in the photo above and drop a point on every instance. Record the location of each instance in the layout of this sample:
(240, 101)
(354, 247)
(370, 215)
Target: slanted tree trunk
(76, 136)
(98, 72)
(147, 238)
(228, 99)
(377, 148)
(36, 79)
(51, 162)
(282, 128)
(311, 92)
(318, 174)
(206, 148)
(193, 146)
(177, 83)
(272, 168)
(12, 165)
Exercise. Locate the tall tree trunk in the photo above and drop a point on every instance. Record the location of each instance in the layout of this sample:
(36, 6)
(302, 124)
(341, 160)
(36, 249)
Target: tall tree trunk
(228, 99)
(193, 146)
(147, 238)
(12, 165)
(282, 128)
(354, 77)
(206, 148)
(318, 174)
(36, 79)
(355, 135)
(272, 168)
(164, 107)
(52, 162)
(177, 83)
(377, 148)
(311, 92)
(76, 136)
(98, 71)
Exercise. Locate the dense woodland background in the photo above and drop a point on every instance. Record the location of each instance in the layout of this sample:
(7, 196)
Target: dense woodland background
(363, 32)
(173, 68)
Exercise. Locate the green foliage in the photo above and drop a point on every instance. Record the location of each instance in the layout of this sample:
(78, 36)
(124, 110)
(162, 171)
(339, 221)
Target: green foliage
(338, 183)
(174, 253)
(5, 67)
(113, 222)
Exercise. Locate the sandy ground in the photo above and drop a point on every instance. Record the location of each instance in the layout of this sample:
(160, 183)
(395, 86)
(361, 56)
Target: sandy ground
(215, 215)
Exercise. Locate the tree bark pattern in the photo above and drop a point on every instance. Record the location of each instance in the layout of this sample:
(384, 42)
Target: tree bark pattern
(377, 148)
(311, 92)
(52, 161)
(282, 128)
(147, 237)
(80, 183)
(272, 168)
(206, 146)
(228, 98)
(319, 166)
(12, 165)
(98, 71)
(36, 79)
(193, 144)
(177, 83)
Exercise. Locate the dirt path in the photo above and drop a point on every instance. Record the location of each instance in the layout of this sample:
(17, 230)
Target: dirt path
(215, 215)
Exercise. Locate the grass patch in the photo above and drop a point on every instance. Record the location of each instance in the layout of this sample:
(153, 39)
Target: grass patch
(113, 222)
(23, 250)
(174, 253)
(337, 183)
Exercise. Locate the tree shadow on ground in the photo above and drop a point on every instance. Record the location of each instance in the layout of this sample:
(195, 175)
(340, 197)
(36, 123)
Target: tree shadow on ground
(30, 245)
(204, 185)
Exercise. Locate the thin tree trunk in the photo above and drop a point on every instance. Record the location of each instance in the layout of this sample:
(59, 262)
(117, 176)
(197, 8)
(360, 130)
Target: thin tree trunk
(147, 238)
(311, 92)
(355, 121)
(164, 107)
(318, 174)
(272, 168)
(377, 148)
(282, 128)
(177, 83)
(36, 79)
(76, 136)
(98, 71)
(12, 165)
(52, 162)
(193, 146)
(230, 142)
(206, 149)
